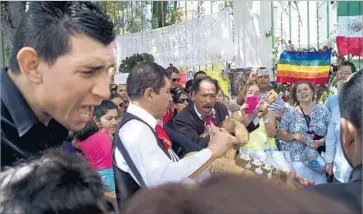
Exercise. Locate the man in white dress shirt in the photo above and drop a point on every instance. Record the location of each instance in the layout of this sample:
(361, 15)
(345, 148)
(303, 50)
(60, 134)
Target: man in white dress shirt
(149, 92)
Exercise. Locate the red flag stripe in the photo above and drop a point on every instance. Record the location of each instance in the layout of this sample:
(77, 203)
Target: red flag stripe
(349, 45)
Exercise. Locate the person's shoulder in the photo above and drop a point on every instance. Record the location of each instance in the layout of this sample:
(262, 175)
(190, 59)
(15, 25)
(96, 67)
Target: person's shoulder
(322, 107)
(349, 193)
(135, 126)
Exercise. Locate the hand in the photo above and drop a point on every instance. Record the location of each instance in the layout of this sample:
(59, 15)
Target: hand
(253, 76)
(299, 137)
(244, 107)
(293, 178)
(262, 108)
(316, 144)
(329, 169)
(220, 141)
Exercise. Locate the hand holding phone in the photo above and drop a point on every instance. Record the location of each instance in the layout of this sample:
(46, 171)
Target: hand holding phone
(252, 103)
(271, 96)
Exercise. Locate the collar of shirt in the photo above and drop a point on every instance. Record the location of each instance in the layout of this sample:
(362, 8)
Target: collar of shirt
(200, 115)
(142, 113)
(23, 117)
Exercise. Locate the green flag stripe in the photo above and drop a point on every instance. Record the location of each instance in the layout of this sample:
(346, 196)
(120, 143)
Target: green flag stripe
(350, 8)
(305, 62)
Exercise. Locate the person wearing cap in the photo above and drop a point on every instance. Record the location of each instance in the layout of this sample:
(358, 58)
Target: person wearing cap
(262, 77)
(120, 81)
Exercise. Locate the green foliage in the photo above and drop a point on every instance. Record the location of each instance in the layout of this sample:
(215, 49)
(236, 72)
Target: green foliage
(165, 13)
(129, 62)
(128, 16)
(134, 16)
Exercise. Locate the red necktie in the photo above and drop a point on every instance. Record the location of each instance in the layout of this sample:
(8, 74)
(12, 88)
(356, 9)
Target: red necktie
(210, 120)
(163, 137)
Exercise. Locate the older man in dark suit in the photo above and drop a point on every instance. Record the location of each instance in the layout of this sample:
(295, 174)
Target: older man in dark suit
(203, 111)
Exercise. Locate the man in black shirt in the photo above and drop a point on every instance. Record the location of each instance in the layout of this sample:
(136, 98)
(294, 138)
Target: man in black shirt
(59, 70)
(350, 104)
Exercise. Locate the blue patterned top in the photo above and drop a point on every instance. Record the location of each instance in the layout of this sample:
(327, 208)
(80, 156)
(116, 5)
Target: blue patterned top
(294, 122)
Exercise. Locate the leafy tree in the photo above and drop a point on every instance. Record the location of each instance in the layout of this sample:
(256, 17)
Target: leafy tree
(129, 62)
(165, 13)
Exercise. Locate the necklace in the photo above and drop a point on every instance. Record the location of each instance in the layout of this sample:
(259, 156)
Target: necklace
(307, 109)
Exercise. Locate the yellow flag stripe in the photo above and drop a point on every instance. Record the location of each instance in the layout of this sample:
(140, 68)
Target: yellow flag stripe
(302, 69)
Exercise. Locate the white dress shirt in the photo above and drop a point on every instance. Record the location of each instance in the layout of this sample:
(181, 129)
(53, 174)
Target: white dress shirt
(154, 165)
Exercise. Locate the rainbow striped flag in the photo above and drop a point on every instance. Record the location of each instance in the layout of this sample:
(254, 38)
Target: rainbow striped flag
(305, 65)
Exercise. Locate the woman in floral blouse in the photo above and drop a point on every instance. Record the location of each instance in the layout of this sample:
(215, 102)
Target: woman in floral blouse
(304, 125)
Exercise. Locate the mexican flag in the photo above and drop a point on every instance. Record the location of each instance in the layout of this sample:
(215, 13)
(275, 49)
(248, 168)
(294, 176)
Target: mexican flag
(350, 28)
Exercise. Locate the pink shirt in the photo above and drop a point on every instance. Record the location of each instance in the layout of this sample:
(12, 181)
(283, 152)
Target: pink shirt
(98, 150)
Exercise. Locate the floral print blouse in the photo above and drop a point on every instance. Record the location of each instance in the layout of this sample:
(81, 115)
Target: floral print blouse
(294, 122)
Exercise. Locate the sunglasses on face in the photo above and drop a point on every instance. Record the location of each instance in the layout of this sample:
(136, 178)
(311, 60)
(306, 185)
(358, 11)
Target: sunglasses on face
(184, 100)
(175, 79)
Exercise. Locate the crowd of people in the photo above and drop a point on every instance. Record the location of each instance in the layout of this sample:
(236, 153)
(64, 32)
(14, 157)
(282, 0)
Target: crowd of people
(70, 143)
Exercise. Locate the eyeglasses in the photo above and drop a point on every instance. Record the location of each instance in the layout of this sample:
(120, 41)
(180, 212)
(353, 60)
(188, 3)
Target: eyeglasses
(175, 79)
(183, 101)
(345, 73)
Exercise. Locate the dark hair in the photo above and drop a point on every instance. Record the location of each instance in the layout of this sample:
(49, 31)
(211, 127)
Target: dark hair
(223, 194)
(199, 73)
(89, 129)
(47, 26)
(350, 64)
(103, 108)
(171, 69)
(143, 76)
(188, 85)
(350, 101)
(113, 96)
(57, 182)
(197, 82)
(293, 97)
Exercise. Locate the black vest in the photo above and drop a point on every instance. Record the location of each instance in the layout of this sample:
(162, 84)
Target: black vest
(125, 185)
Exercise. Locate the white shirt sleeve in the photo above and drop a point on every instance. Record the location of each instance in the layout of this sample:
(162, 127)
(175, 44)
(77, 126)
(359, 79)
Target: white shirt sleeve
(153, 164)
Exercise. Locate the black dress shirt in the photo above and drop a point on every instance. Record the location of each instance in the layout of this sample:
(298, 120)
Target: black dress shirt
(349, 193)
(22, 134)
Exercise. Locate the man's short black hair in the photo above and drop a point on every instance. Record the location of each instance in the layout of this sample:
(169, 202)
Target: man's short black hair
(57, 182)
(197, 82)
(350, 64)
(199, 73)
(350, 101)
(47, 26)
(143, 76)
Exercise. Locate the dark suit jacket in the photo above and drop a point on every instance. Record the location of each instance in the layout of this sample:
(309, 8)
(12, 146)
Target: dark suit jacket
(349, 193)
(190, 125)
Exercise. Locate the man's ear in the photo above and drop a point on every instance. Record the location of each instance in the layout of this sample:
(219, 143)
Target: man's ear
(348, 132)
(29, 61)
(148, 93)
